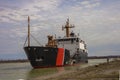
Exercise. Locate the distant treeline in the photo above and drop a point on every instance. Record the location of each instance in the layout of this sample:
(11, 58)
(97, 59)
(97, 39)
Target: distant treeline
(103, 57)
(90, 57)
(13, 61)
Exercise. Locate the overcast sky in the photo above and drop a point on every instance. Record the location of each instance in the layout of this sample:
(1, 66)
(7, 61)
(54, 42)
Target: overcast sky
(97, 22)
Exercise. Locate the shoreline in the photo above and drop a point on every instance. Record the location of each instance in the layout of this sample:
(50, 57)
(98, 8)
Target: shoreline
(14, 61)
(102, 71)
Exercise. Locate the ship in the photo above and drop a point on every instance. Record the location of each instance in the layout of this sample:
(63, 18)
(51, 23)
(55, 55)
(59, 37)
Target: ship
(57, 52)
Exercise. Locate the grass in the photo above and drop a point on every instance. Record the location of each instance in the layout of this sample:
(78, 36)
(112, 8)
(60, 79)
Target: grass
(104, 71)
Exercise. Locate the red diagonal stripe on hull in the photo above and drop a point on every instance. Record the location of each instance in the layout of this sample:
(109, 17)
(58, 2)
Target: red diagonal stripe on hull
(60, 57)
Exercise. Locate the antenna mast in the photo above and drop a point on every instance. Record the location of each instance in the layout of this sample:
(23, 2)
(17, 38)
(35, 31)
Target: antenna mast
(67, 27)
(28, 31)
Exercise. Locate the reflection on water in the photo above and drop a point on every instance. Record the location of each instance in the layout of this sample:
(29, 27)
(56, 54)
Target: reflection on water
(40, 72)
(24, 71)
(14, 71)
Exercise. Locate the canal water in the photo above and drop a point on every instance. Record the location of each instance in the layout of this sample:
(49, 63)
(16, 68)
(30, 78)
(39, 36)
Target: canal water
(24, 71)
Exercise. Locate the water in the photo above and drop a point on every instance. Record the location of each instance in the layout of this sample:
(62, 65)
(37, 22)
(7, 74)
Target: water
(24, 71)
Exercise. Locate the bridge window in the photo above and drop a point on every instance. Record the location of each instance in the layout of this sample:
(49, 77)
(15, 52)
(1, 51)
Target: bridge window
(72, 40)
(77, 40)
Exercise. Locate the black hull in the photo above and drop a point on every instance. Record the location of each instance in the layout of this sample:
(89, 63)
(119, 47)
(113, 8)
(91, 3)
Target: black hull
(47, 56)
(41, 57)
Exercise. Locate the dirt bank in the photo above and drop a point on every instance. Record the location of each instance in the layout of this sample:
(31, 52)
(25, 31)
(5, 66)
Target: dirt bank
(103, 71)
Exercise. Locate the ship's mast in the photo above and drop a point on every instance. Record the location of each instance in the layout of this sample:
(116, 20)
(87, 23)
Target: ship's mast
(67, 27)
(28, 31)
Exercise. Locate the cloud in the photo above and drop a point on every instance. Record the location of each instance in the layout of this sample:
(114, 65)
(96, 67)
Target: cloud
(90, 20)
(32, 8)
(40, 9)
(96, 21)
(90, 4)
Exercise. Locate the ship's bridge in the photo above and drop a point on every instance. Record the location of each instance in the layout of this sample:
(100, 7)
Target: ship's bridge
(72, 39)
(73, 44)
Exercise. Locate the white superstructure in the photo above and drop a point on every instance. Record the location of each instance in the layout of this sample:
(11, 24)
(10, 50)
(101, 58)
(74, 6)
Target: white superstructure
(71, 42)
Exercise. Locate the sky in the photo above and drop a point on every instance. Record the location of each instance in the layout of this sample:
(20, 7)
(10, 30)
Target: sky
(97, 22)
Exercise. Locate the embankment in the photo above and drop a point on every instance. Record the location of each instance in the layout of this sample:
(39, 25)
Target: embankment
(103, 71)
